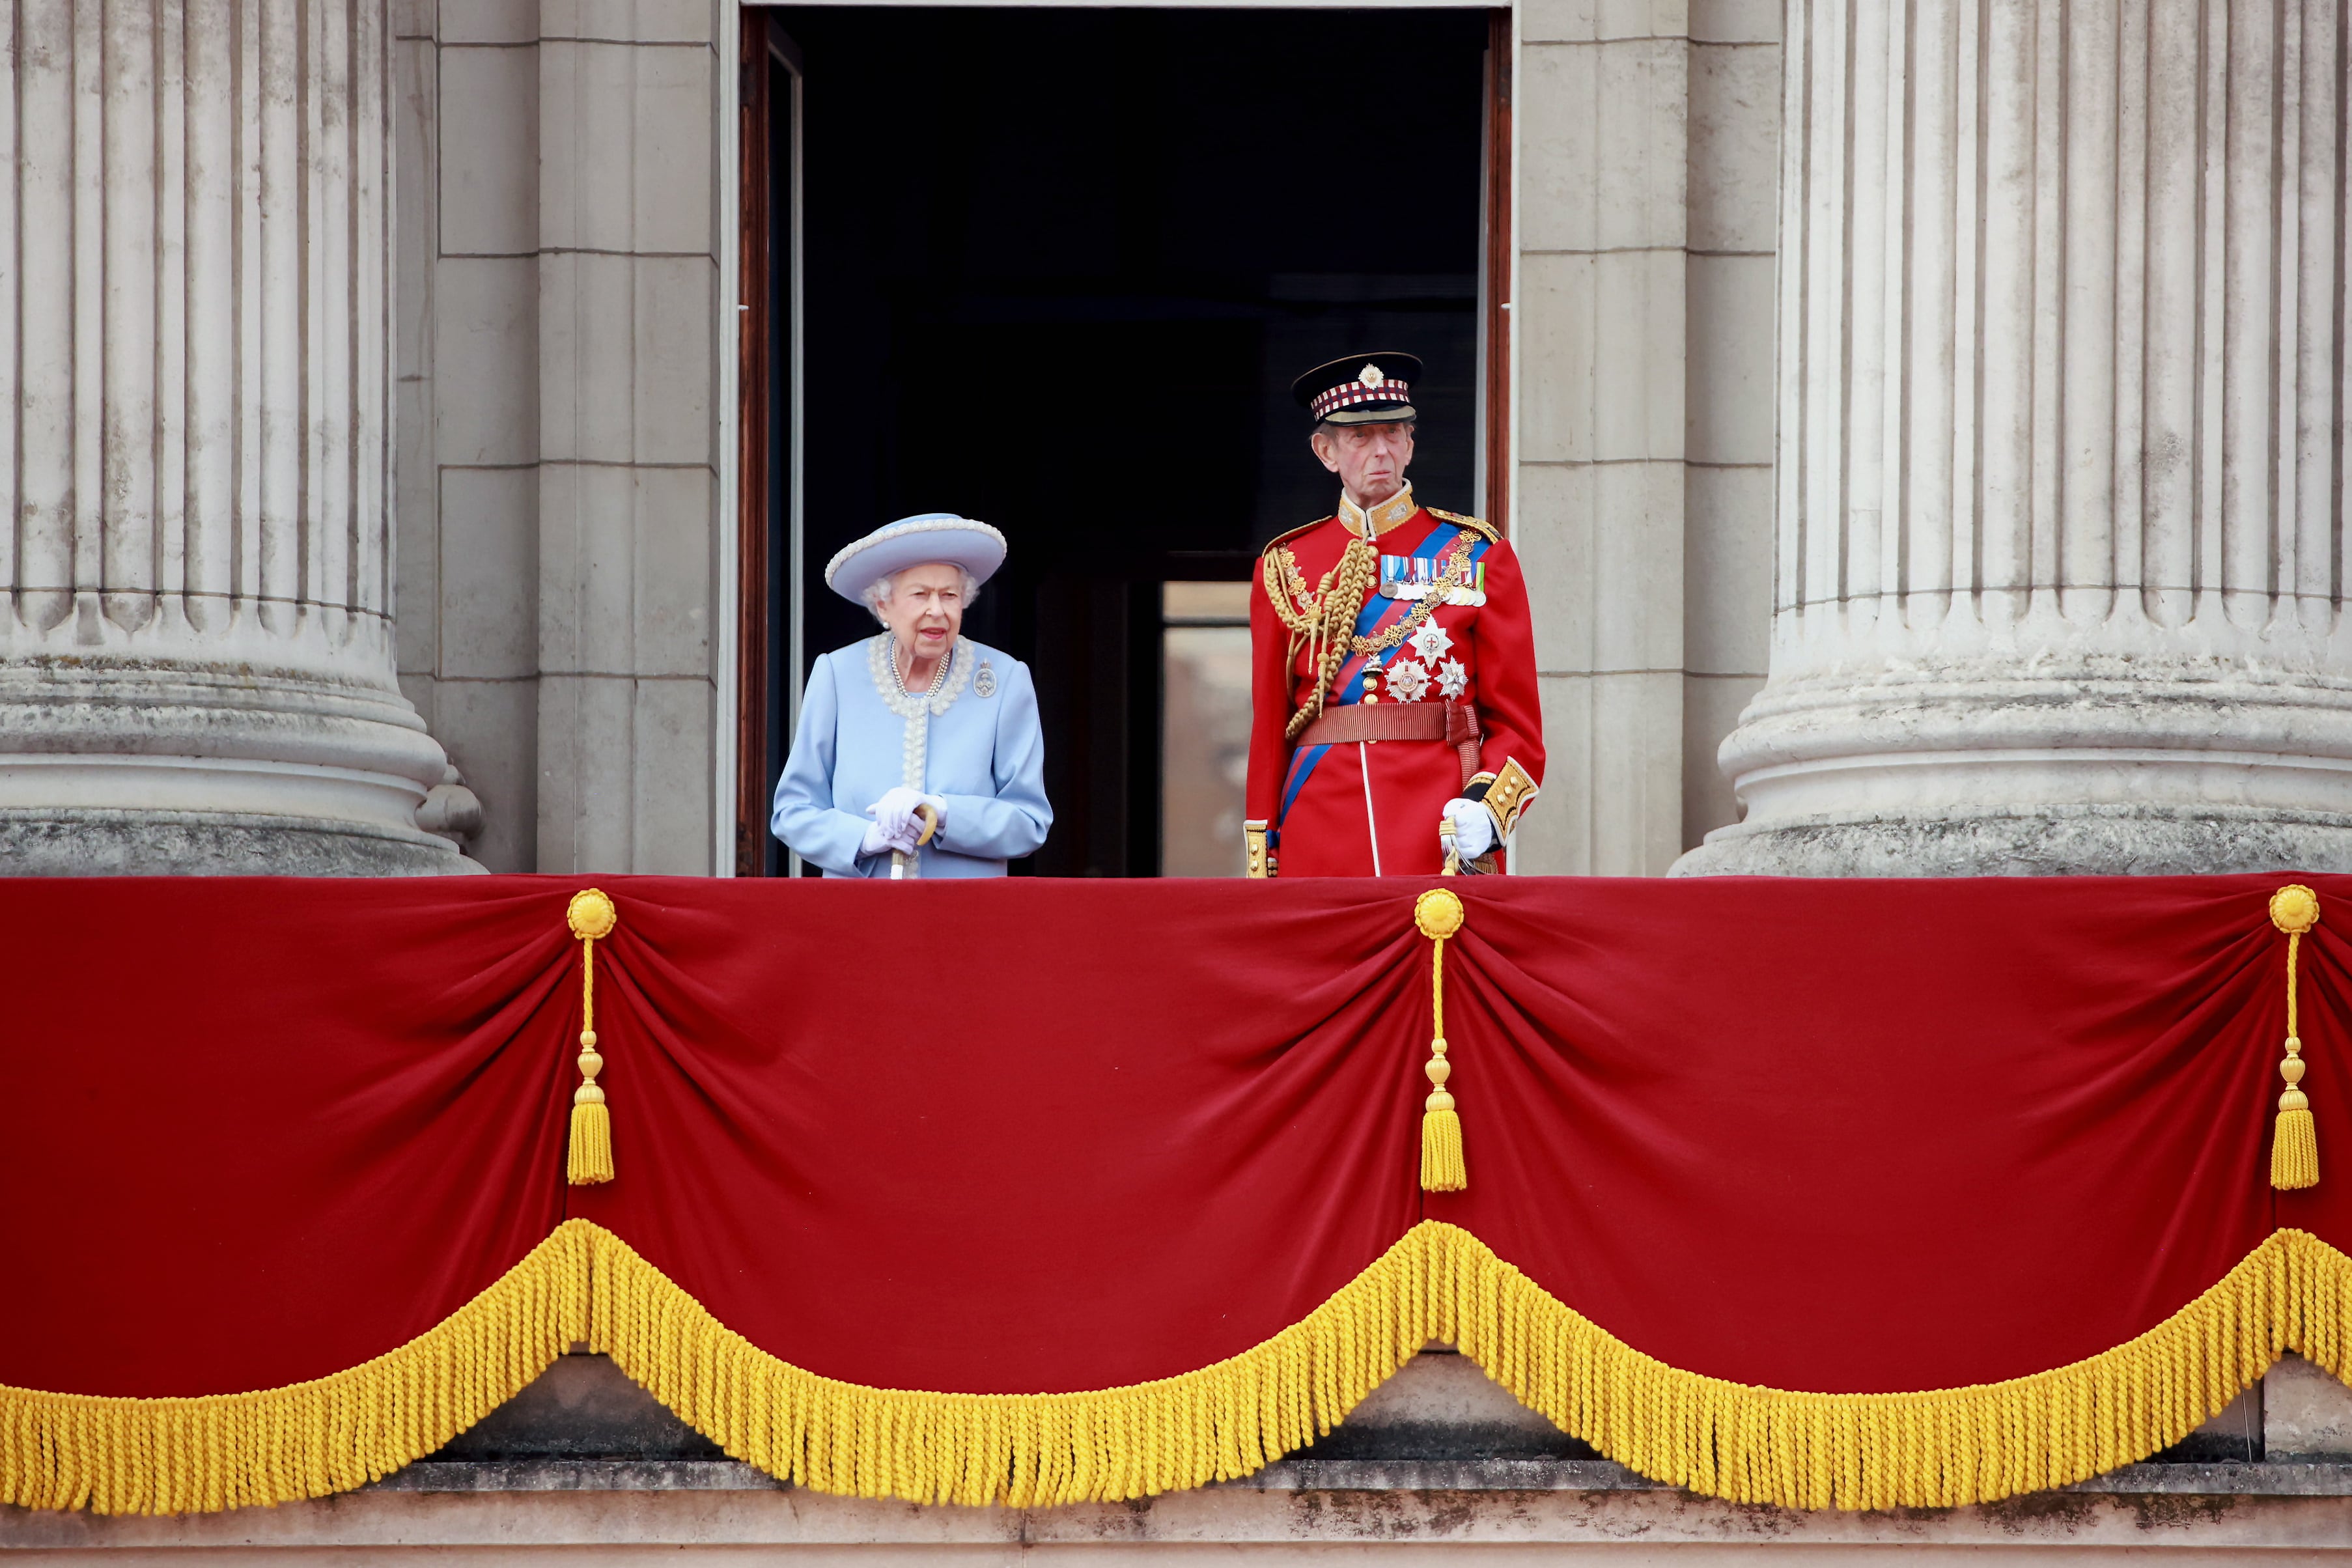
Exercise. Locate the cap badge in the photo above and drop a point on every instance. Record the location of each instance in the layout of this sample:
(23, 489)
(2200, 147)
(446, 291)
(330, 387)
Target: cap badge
(1370, 376)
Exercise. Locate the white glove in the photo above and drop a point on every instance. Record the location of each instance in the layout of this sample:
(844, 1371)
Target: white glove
(1473, 827)
(878, 841)
(894, 814)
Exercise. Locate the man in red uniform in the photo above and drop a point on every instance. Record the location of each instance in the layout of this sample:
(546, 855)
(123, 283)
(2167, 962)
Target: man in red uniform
(1394, 673)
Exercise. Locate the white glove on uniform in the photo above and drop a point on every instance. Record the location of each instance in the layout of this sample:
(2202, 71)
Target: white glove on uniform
(1473, 827)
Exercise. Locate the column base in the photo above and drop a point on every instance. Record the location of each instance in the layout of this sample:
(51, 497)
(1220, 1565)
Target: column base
(2037, 841)
(119, 764)
(107, 843)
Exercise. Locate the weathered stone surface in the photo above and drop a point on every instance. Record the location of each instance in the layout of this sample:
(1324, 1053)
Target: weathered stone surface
(2306, 1412)
(2060, 447)
(196, 668)
(88, 842)
(1499, 1512)
(2291, 1478)
(1641, 503)
(581, 1407)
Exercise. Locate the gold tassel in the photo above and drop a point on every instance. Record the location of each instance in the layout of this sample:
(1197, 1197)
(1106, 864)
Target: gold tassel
(2294, 1144)
(590, 1161)
(1438, 913)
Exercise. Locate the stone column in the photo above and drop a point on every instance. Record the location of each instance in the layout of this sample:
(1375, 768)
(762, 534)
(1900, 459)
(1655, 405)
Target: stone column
(195, 317)
(2062, 562)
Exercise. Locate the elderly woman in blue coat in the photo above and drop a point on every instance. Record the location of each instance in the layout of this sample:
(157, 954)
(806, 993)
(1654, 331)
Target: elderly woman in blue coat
(918, 752)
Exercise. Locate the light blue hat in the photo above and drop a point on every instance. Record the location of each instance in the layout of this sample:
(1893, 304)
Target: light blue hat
(915, 541)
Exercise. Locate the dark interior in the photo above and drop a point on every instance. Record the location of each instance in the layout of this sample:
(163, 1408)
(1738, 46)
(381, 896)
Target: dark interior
(1060, 266)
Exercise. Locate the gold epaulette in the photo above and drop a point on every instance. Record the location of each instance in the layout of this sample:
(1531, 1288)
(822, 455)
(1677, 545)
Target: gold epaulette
(1281, 538)
(1486, 531)
(1278, 560)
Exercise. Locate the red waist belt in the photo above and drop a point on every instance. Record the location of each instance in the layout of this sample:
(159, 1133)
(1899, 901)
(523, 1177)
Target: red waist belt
(1454, 723)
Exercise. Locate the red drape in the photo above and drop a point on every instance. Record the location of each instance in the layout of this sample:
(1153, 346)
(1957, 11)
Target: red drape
(255, 1131)
(1028, 1136)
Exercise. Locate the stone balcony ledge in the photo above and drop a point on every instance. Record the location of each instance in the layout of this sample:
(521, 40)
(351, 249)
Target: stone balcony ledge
(2285, 1477)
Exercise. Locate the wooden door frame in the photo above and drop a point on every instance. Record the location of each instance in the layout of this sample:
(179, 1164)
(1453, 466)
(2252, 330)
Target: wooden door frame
(1500, 258)
(765, 47)
(753, 384)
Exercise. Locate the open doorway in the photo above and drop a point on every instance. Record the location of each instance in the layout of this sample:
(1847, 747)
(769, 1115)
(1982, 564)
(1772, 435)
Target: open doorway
(1057, 269)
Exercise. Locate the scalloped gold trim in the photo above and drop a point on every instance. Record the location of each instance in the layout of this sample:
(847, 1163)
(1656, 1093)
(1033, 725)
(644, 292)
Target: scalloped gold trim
(1936, 1448)
(210, 1452)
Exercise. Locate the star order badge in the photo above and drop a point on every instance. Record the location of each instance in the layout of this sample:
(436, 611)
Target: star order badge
(1407, 680)
(985, 683)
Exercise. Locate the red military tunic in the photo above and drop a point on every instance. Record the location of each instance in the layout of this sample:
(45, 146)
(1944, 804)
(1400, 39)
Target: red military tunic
(1474, 647)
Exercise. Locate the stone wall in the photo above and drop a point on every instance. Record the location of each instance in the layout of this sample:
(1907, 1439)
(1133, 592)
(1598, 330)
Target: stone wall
(1502, 1514)
(1647, 161)
(561, 229)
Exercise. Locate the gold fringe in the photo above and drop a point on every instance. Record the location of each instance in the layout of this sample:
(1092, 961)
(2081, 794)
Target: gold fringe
(1940, 1449)
(206, 1452)
(1026, 1451)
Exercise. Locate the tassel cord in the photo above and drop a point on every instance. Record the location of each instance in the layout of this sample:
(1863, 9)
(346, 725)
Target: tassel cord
(1438, 913)
(2294, 948)
(1437, 993)
(2295, 1137)
(588, 1159)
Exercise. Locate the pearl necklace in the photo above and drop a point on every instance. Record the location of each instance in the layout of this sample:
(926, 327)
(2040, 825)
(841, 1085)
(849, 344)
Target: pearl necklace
(939, 678)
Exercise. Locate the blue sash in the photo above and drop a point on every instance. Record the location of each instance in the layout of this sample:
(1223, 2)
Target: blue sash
(1377, 616)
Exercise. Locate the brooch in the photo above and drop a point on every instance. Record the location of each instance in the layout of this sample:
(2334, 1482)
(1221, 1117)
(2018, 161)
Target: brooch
(985, 681)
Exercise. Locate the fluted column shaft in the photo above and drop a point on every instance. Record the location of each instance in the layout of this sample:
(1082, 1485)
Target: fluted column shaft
(195, 322)
(2060, 571)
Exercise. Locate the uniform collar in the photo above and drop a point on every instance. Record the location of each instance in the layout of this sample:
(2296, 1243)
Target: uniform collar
(1381, 518)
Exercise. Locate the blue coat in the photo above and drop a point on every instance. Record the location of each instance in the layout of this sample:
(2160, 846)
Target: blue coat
(976, 745)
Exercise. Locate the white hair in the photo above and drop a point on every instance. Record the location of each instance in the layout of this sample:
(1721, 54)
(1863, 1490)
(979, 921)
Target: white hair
(876, 594)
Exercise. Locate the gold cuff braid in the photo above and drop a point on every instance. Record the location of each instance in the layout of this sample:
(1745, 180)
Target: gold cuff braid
(1509, 795)
(1258, 860)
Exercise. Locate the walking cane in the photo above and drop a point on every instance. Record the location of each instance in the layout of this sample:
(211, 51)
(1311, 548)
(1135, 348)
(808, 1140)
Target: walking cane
(898, 857)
